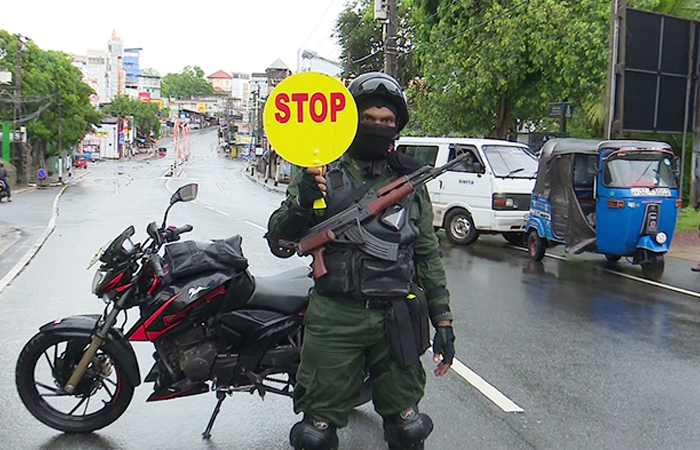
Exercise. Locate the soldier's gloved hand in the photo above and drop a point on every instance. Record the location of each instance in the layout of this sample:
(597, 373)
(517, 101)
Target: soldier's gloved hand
(312, 186)
(443, 346)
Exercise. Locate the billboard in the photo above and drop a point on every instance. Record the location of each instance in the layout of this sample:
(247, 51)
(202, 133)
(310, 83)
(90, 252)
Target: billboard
(656, 61)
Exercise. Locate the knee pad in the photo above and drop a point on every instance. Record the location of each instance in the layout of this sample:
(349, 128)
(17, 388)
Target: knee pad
(311, 434)
(407, 430)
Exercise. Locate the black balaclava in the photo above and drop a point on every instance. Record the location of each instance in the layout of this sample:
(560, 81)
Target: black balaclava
(373, 141)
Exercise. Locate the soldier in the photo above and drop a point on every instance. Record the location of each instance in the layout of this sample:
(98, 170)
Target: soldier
(351, 322)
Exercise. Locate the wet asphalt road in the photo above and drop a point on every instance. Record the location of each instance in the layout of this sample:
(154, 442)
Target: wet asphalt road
(594, 360)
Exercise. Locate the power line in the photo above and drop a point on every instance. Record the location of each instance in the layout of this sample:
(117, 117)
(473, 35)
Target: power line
(318, 23)
(29, 117)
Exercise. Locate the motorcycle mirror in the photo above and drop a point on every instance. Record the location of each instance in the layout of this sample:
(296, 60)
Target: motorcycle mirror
(186, 193)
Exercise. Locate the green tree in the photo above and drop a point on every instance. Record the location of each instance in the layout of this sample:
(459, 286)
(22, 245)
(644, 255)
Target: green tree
(491, 66)
(53, 95)
(361, 40)
(189, 82)
(146, 121)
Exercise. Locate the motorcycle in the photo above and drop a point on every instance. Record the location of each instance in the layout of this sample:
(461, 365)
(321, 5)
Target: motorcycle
(215, 327)
(3, 190)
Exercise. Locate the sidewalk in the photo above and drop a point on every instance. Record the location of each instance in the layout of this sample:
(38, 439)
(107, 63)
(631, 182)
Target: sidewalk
(281, 188)
(685, 246)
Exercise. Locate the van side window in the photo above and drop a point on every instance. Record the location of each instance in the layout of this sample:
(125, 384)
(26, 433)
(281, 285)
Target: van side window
(425, 154)
(470, 165)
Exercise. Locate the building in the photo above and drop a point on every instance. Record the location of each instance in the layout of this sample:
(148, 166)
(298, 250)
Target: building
(277, 72)
(130, 63)
(116, 76)
(150, 84)
(221, 81)
(312, 62)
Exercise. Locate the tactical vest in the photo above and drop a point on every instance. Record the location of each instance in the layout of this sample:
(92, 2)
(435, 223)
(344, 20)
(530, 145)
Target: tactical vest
(351, 270)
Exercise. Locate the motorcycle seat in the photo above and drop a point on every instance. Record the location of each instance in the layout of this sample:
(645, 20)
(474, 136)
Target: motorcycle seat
(285, 292)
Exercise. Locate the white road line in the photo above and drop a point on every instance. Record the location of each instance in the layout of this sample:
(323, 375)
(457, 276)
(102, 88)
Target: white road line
(255, 225)
(7, 279)
(481, 385)
(223, 212)
(210, 208)
(668, 287)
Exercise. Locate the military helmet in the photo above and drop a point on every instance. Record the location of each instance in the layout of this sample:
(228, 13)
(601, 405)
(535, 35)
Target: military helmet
(377, 83)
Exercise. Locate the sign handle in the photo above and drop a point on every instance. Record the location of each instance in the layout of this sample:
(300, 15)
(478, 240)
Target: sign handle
(320, 203)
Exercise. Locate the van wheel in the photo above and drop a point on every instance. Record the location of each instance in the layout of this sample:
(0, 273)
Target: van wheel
(459, 227)
(535, 245)
(613, 258)
(517, 239)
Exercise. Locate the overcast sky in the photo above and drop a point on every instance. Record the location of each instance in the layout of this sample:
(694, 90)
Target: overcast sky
(233, 35)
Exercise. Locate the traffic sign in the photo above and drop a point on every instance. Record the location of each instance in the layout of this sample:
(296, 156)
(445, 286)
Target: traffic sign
(310, 119)
(563, 109)
(41, 174)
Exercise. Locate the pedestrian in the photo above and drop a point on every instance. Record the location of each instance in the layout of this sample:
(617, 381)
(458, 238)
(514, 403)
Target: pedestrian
(3, 178)
(697, 185)
(350, 320)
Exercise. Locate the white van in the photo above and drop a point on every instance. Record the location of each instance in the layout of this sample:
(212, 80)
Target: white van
(490, 193)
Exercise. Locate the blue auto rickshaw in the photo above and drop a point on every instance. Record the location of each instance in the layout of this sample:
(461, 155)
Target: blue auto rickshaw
(618, 198)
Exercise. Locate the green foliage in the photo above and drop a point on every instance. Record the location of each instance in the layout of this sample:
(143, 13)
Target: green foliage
(688, 220)
(189, 82)
(49, 78)
(361, 40)
(491, 66)
(146, 121)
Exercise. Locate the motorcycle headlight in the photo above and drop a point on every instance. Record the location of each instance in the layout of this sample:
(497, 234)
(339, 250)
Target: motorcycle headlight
(661, 237)
(97, 280)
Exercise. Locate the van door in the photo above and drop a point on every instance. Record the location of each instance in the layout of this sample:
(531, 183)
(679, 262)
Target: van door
(467, 185)
(426, 155)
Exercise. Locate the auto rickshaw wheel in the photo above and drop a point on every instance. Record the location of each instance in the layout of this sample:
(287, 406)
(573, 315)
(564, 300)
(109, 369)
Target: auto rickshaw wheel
(535, 245)
(459, 227)
(613, 258)
(653, 268)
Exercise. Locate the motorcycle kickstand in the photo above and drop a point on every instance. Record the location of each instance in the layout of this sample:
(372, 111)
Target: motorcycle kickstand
(221, 395)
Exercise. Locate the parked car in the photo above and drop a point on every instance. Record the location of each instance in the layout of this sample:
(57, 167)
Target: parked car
(490, 193)
(162, 151)
(79, 161)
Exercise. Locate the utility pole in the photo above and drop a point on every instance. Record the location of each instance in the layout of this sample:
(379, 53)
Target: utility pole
(60, 136)
(18, 150)
(390, 40)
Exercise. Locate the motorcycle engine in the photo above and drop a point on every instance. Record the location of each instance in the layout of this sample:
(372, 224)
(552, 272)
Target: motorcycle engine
(192, 352)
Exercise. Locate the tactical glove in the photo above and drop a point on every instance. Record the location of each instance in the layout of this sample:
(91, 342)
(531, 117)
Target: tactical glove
(444, 343)
(308, 190)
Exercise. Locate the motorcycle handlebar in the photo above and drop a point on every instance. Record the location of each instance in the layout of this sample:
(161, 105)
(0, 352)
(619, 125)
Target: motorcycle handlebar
(172, 234)
(157, 266)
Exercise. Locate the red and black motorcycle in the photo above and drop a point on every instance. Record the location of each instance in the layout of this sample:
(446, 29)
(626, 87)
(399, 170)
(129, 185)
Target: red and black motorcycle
(214, 326)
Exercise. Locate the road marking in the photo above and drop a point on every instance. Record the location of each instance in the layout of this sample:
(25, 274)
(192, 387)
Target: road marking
(7, 279)
(223, 212)
(210, 208)
(255, 225)
(630, 277)
(483, 386)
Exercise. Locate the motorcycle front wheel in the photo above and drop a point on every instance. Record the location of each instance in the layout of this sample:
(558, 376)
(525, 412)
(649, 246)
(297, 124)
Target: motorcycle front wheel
(43, 368)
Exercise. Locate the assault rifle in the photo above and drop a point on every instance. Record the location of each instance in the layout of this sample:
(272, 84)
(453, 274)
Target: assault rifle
(345, 228)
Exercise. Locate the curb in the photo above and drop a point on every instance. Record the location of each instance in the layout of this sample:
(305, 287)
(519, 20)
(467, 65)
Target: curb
(277, 189)
(17, 269)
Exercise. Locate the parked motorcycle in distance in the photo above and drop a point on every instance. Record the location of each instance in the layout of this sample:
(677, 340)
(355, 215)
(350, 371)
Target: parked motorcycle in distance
(3, 190)
(214, 326)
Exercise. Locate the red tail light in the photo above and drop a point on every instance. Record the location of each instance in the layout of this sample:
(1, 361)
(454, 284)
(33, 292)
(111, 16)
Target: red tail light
(616, 204)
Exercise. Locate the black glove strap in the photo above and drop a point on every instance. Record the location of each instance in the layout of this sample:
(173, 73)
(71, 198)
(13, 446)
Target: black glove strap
(444, 343)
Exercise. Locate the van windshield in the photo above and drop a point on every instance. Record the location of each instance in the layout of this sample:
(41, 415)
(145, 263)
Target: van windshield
(639, 169)
(510, 161)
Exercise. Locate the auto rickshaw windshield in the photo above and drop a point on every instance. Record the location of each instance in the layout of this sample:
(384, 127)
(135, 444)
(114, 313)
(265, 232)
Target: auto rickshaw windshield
(511, 161)
(639, 169)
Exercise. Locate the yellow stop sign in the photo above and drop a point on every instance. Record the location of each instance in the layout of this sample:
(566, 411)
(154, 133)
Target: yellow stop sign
(310, 119)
